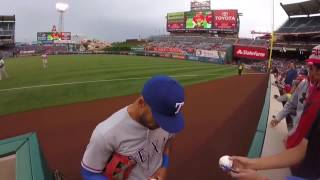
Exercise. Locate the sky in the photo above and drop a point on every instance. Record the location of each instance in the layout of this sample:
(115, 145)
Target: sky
(117, 20)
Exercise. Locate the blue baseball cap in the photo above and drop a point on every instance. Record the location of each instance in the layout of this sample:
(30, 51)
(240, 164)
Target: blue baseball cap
(165, 96)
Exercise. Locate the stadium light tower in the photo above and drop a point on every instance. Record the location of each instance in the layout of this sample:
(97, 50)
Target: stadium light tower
(61, 7)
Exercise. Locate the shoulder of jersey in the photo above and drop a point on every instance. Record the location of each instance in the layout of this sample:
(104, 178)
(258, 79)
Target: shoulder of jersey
(112, 122)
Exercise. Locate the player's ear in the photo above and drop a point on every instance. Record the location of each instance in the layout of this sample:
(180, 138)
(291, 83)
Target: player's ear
(141, 102)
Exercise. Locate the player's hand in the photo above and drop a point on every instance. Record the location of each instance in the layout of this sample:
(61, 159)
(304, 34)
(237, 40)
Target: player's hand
(161, 174)
(242, 163)
(247, 174)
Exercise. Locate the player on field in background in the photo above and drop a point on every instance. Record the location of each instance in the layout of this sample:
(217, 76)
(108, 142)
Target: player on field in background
(45, 60)
(3, 68)
(240, 69)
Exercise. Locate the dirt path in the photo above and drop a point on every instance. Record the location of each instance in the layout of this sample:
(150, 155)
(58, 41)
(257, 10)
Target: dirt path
(221, 118)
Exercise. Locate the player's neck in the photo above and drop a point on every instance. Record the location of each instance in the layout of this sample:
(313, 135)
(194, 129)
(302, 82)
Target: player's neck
(132, 113)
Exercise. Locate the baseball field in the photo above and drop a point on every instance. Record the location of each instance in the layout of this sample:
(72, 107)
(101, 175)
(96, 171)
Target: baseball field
(70, 79)
(65, 102)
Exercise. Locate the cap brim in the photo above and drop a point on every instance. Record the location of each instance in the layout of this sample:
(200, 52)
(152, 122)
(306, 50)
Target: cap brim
(313, 61)
(171, 124)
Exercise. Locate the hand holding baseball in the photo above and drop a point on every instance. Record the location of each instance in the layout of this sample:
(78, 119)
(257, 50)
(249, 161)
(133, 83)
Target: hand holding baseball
(274, 122)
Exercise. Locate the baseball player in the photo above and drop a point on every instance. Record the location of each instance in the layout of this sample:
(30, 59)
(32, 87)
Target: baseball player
(134, 143)
(45, 60)
(3, 69)
(240, 69)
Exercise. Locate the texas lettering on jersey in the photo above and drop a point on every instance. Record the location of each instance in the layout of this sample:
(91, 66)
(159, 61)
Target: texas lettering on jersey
(147, 153)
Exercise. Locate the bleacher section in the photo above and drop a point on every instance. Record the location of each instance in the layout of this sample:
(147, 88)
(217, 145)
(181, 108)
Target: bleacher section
(302, 8)
(301, 32)
(7, 30)
(187, 43)
(301, 25)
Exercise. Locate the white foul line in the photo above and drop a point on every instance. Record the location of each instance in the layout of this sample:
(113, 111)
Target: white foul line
(104, 80)
(85, 82)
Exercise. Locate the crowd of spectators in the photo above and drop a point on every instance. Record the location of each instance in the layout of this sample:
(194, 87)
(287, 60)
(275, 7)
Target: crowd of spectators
(302, 144)
(39, 49)
(189, 44)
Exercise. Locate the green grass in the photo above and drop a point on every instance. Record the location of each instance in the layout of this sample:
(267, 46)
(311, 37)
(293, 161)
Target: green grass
(28, 71)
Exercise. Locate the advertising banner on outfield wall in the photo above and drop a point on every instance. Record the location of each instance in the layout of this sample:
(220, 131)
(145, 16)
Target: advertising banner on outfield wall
(211, 54)
(171, 50)
(177, 56)
(165, 55)
(192, 58)
(258, 53)
(211, 60)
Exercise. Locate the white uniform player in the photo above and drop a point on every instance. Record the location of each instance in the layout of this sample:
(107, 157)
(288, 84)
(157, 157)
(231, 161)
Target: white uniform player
(122, 134)
(141, 131)
(3, 71)
(45, 60)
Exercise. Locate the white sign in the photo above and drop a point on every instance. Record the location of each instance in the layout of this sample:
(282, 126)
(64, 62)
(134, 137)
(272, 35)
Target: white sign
(210, 53)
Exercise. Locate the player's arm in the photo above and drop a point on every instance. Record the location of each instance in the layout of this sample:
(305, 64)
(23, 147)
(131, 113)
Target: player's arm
(95, 157)
(166, 152)
(161, 173)
(88, 175)
(291, 105)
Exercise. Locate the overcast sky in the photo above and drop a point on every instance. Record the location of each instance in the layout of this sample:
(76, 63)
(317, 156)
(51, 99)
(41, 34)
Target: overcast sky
(117, 20)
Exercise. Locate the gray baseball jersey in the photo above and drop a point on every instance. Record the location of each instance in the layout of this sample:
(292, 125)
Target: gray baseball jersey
(295, 105)
(123, 135)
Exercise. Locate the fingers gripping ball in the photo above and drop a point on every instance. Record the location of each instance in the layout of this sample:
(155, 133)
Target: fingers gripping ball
(225, 163)
(119, 167)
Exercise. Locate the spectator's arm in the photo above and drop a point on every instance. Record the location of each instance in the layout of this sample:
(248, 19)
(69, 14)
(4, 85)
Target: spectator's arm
(291, 105)
(284, 159)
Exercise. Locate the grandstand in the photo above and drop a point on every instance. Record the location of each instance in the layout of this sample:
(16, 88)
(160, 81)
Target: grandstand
(189, 44)
(205, 35)
(301, 25)
(7, 35)
(202, 42)
(301, 32)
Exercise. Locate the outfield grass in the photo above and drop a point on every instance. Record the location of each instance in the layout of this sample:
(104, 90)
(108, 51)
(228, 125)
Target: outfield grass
(116, 70)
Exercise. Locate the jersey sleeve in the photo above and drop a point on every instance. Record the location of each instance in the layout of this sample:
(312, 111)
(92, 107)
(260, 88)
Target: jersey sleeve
(98, 151)
(290, 106)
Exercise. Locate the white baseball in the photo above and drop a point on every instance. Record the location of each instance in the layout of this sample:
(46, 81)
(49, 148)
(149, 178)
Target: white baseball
(225, 163)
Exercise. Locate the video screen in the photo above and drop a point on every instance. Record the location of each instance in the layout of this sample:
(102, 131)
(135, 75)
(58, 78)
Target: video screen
(198, 20)
(175, 21)
(53, 36)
